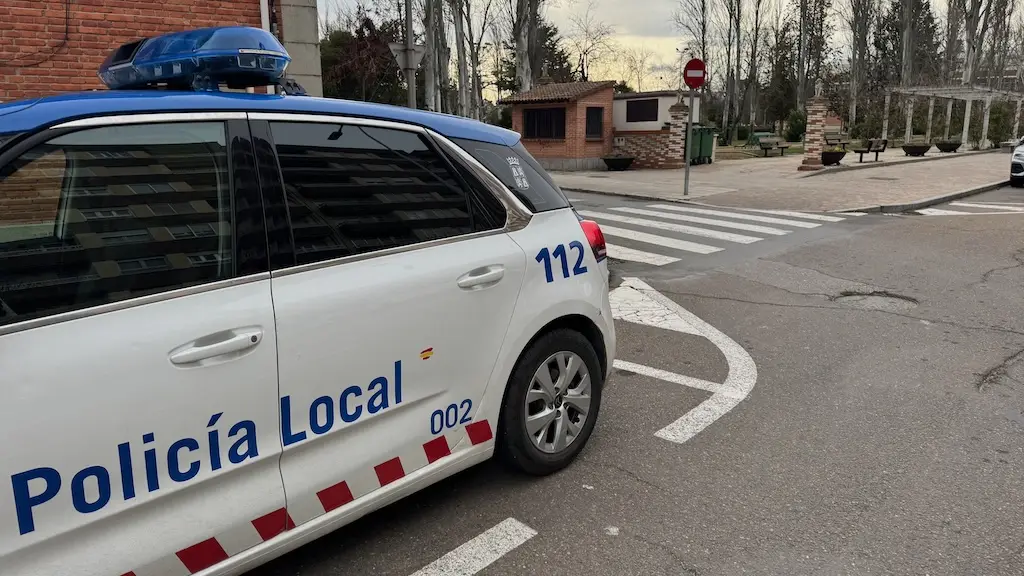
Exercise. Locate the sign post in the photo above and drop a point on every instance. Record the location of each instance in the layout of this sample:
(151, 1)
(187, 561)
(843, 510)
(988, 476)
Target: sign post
(693, 75)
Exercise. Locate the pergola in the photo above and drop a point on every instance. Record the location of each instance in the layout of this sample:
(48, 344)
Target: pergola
(966, 93)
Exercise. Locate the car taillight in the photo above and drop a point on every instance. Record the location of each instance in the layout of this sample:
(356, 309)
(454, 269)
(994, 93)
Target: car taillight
(596, 238)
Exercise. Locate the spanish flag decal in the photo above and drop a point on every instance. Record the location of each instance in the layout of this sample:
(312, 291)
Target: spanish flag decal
(426, 353)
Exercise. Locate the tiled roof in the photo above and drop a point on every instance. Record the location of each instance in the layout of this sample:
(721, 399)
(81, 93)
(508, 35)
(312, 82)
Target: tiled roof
(558, 92)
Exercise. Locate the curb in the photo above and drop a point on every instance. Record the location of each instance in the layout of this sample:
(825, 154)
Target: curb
(925, 202)
(869, 165)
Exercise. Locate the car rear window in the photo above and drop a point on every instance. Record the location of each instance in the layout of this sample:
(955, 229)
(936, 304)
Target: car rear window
(518, 170)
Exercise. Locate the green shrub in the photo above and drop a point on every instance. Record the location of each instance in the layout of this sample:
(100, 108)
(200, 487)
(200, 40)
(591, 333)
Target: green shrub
(795, 126)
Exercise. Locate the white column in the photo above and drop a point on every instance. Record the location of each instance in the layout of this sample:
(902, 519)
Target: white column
(984, 125)
(949, 118)
(1016, 122)
(967, 122)
(885, 116)
(928, 130)
(908, 131)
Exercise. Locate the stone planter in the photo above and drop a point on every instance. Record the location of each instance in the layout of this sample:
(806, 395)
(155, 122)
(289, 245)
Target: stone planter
(947, 145)
(618, 163)
(832, 158)
(916, 149)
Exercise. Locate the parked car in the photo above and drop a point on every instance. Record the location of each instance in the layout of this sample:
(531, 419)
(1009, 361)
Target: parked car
(211, 301)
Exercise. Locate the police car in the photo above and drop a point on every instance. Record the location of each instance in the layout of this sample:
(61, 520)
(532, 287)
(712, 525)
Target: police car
(232, 322)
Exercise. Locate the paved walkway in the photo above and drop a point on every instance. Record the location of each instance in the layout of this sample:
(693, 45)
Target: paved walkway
(775, 183)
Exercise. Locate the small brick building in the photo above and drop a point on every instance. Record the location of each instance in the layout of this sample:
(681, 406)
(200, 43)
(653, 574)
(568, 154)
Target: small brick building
(51, 46)
(566, 126)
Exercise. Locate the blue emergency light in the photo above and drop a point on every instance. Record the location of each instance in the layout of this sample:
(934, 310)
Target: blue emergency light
(201, 59)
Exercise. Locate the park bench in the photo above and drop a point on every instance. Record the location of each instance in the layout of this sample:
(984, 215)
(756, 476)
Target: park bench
(876, 145)
(837, 139)
(773, 143)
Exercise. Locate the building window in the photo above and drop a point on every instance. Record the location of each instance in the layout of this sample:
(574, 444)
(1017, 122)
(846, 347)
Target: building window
(642, 110)
(595, 122)
(544, 123)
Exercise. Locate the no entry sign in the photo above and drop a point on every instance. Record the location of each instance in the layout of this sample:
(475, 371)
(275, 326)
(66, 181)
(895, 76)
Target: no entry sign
(694, 73)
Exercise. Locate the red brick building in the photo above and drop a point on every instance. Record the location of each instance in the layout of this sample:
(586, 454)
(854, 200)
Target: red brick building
(566, 126)
(50, 46)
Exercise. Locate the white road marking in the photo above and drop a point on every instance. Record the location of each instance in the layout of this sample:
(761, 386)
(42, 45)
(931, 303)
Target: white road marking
(679, 228)
(806, 215)
(708, 221)
(573, 200)
(1004, 203)
(941, 212)
(736, 215)
(625, 253)
(480, 552)
(669, 315)
(658, 240)
(989, 206)
(854, 213)
(637, 307)
(667, 376)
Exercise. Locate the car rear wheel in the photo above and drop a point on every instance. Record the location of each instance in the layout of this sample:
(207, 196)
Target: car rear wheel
(551, 404)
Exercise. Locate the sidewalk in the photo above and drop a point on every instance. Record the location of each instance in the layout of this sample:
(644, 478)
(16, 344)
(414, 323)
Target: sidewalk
(775, 183)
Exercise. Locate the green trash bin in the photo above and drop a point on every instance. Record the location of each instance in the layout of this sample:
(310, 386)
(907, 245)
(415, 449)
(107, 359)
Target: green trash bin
(697, 133)
(707, 144)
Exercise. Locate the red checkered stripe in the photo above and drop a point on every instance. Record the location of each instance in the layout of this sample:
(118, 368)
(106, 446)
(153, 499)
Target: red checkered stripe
(220, 547)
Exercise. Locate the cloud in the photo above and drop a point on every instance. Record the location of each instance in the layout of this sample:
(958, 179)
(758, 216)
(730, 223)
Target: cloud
(644, 18)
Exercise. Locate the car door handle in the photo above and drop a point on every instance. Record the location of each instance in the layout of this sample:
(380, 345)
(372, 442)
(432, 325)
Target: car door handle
(218, 344)
(482, 277)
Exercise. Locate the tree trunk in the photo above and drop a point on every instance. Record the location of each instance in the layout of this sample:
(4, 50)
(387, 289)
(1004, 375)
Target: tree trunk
(521, 30)
(736, 77)
(444, 56)
(801, 66)
(907, 24)
(458, 16)
(429, 57)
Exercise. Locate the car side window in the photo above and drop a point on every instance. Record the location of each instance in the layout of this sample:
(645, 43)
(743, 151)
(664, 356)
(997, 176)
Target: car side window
(355, 189)
(519, 172)
(112, 213)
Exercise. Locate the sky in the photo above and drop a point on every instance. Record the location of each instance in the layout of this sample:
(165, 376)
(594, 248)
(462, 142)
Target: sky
(637, 23)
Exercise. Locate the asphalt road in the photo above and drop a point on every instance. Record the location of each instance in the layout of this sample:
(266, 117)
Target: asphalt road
(884, 435)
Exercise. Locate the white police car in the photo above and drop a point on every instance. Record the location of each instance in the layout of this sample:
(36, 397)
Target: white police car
(233, 322)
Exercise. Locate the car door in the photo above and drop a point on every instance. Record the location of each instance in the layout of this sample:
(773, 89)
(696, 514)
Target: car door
(392, 312)
(137, 349)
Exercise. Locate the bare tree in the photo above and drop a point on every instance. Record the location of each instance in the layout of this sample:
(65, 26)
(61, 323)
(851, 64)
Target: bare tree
(724, 25)
(858, 19)
(458, 12)
(801, 66)
(523, 21)
(735, 95)
(752, 79)
(589, 39)
(475, 47)
(694, 19)
(954, 25)
(637, 63)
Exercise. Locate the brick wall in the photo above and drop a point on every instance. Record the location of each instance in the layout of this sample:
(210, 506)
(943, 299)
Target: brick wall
(32, 29)
(814, 137)
(575, 151)
(650, 148)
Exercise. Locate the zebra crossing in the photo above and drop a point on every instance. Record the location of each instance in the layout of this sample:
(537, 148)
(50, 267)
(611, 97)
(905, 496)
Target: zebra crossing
(660, 234)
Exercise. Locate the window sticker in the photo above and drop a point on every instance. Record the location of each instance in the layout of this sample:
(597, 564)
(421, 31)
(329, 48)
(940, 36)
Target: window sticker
(518, 174)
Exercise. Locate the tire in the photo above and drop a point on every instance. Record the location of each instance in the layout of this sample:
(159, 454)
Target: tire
(515, 446)
(1017, 182)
